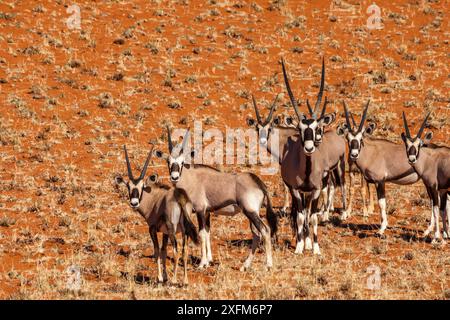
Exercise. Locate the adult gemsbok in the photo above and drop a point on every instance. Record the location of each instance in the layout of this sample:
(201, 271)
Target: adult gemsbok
(267, 130)
(432, 164)
(305, 168)
(379, 160)
(328, 193)
(224, 193)
(166, 210)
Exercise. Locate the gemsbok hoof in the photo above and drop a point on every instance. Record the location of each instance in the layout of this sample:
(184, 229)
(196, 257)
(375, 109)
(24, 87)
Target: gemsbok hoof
(203, 265)
(380, 234)
(325, 217)
(299, 247)
(244, 268)
(308, 244)
(316, 249)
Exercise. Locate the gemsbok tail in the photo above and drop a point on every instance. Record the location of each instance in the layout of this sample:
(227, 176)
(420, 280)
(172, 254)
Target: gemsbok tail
(271, 216)
(189, 226)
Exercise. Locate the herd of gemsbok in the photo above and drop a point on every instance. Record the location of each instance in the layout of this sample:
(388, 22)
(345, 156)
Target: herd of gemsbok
(312, 159)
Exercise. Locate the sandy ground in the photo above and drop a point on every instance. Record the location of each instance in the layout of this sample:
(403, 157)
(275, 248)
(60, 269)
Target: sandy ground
(70, 98)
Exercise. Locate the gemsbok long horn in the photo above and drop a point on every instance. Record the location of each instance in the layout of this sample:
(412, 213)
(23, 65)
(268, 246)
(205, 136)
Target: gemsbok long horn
(185, 139)
(130, 172)
(353, 120)
(363, 119)
(347, 119)
(322, 86)
(258, 116)
(289, 90)
(405, 124)
(169, 139)
(144, 169)
(422, 127)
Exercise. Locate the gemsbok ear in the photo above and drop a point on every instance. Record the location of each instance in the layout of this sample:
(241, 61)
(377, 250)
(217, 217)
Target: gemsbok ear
(288, 121)
(250, 122)
(118, 180)
(329, 118)
(341, 129)
(277, 121)
(152, 179)
(428, 137)
(159, 154)
(403, 135)
(370, 128)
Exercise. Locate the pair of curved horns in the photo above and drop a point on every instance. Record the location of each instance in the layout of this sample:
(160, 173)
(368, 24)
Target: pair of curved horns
(422, 127)
(312, 112)
(144, 169)
(269, 117)
(363, 118)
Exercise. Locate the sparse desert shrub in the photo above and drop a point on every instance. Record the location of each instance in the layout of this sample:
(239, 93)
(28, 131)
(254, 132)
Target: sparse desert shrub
(7, 221)
(105, 100)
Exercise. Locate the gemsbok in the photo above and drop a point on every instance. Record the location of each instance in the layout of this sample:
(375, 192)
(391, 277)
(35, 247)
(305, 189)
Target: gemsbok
(266, 130)
(305, 168)
(379, 160)
(432, 163)
(166, 210)
(329, 192)
(224, 193)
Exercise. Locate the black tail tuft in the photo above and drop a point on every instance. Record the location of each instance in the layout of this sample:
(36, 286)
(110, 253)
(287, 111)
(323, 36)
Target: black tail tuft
(293, 217)
(189, 227)
(271, 216)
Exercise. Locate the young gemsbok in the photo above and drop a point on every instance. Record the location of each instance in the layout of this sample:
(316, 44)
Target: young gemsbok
(379, 160)
(432, 164)
(305, 168)
(224, 193)
(166, 210)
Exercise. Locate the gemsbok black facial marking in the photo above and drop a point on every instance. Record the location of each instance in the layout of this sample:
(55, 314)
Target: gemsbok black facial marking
(264, 128)
(353, 134)
(134, 185)
(177, 156)
(413, 144)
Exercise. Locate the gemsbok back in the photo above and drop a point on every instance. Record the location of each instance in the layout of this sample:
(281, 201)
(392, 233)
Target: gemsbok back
(379, 160)
(432, 164)
(224, 193)
(166, 209)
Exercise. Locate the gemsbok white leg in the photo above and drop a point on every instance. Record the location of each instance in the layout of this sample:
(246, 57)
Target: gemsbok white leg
(437, 229)
(315, 222)
(325, 203)
(201, 217)
(156, 251)
(286, 199)
(208, 238)
(382, 204)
